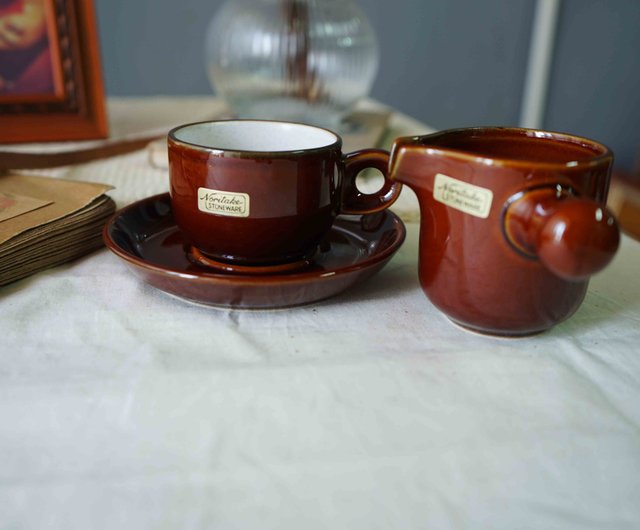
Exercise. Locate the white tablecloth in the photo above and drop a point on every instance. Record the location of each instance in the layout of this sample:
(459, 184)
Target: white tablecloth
(121, 407)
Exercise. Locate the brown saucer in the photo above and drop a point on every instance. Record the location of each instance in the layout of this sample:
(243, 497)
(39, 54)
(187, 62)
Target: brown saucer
(144, 234)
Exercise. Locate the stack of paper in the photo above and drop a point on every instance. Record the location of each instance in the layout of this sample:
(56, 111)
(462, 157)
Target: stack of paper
(46, 222)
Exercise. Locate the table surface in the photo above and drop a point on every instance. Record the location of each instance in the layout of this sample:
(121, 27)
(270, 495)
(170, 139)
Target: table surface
(123, 407)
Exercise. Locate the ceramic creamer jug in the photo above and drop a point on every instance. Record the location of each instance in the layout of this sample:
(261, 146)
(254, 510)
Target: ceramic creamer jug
(513, 223)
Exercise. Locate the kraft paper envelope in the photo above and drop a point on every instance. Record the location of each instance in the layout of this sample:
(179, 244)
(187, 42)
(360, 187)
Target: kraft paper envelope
(47, 199)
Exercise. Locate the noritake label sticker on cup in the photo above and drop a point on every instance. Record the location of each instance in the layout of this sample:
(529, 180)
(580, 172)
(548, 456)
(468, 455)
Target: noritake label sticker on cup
(462, 196)
(227, 203)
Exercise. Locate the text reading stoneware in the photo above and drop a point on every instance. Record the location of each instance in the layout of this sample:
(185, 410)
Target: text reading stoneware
(467, 198)
(227, 203)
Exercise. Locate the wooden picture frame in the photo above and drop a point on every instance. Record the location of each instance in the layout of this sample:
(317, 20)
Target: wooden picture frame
(51, 87)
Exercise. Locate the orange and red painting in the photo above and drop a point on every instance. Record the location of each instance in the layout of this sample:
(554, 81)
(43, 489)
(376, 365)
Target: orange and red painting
(29, 56)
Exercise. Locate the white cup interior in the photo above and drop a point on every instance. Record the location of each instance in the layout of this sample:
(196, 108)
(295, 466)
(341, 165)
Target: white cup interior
(249, 135)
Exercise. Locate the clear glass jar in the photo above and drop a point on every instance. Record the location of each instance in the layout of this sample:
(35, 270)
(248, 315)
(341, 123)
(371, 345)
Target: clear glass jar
(297, 60)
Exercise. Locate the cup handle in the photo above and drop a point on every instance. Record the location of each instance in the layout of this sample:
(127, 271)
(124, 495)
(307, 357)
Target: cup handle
(573, 237)
(353, 200)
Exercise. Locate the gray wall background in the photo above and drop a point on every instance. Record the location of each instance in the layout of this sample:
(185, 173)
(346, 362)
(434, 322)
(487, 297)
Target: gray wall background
(449, 63)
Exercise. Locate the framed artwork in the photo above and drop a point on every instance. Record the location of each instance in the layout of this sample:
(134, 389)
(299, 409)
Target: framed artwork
(50, 72)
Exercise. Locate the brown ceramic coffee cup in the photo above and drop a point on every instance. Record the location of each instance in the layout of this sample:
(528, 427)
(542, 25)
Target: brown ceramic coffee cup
(257, 193)
(513, 223)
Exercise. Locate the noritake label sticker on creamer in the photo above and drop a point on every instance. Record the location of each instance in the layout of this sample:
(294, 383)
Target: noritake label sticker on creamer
(467, 198)
(227, 203)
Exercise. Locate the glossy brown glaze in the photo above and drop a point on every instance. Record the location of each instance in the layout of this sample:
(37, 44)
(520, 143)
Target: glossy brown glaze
(146, 237)
(522, 265)
(294, 197)
(573, 237)
(196, 256)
